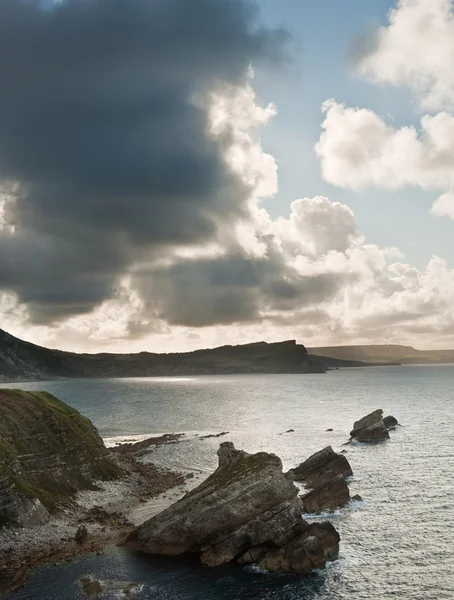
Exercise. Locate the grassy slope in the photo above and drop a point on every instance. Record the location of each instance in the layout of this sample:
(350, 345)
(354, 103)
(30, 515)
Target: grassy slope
(47, 449)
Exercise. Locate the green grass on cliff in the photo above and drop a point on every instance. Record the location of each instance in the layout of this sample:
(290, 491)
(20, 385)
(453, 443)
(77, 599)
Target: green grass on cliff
(48, 450)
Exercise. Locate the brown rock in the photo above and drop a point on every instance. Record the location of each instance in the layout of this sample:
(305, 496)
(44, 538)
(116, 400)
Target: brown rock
(90, 587)
(321, 467)
(328, 496)
(370, 428)
(247, 510)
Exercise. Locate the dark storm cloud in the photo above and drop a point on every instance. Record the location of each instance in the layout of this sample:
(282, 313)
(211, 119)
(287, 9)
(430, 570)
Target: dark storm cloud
(98, 126)
(232, 289)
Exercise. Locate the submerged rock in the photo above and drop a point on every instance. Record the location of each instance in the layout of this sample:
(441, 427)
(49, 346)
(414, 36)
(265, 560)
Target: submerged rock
(48, 452)
(321, 467)
(246, 511)
(90, 587)
(328, 496)
(113, 589)
(370, 428)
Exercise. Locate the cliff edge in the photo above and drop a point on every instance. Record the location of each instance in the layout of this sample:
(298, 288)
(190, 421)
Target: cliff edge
(48, 452)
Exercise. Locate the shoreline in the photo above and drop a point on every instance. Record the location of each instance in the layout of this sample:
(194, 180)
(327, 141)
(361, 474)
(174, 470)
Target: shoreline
(105, 513)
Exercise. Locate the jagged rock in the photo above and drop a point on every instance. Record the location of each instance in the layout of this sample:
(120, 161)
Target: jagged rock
(48, 452)
(321, 467)
(246, 510)
(328, 496)
(390, 421)
(81, 534)
(370, 428)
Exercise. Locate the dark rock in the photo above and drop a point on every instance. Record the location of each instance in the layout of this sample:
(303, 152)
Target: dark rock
(190, 476)
(321, 467)
(370, 428)
(129, 589)
(214, 435)
(390, 421)
(357, 498)
(328, 496)
(81, 534)
(330, 429)
(90, 587)
(247, 510)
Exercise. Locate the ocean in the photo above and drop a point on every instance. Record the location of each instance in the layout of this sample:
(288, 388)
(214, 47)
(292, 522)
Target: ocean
(396, 543)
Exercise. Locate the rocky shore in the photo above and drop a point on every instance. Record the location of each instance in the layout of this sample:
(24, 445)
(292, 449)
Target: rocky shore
(63, 494)
(104, 513)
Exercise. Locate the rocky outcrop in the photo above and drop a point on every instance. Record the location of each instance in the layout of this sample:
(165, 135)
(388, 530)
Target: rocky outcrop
(328, 496)
(246, 511)
(390, 421)
(321, 467)
(48, 452)
(373, 427)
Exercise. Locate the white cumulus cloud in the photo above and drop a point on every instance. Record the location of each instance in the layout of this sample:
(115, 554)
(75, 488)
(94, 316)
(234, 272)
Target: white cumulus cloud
(415, 49)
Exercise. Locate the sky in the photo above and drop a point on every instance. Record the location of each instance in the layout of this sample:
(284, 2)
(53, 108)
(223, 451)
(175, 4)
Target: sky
(177, 175)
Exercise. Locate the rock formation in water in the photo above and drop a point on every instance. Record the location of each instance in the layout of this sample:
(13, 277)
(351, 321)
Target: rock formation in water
(390, 421)
(247, 511)
(327, 496)
(325, 471)
(322, 467)
(48, 452)
(373, 427)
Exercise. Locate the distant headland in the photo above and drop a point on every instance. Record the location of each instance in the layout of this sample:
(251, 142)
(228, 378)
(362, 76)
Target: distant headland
(23, 361)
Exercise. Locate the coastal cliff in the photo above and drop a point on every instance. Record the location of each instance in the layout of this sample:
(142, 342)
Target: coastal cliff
(22, 361)
(48, 453)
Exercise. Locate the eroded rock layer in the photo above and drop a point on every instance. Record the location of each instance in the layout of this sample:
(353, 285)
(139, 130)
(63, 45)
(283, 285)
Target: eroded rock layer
(48, 452)
(373, 427)
(248, 510)
(322, 467)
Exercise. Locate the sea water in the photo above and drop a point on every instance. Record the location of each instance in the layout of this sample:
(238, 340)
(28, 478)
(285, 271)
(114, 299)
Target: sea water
(396, 543)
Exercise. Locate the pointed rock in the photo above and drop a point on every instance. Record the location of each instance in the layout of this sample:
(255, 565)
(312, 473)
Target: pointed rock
(245, 511)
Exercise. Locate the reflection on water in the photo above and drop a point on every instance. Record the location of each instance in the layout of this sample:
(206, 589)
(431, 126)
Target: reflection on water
(391, 542)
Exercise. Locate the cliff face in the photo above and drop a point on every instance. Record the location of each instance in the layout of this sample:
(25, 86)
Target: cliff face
(22, 361)
(48, 452)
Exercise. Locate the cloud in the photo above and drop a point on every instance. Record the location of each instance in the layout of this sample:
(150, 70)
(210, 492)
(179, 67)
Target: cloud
(131, 175)
(105, 143)
(358, 149)
(444, 206)
(415, 49)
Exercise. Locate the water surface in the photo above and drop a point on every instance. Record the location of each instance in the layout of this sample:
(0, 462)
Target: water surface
(395, 544)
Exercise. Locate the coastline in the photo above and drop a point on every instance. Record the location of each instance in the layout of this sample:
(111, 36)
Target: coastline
(106, 513)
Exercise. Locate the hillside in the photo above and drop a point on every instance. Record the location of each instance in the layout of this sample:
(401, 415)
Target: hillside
(386, 353)
(22, 361)
(48, 452)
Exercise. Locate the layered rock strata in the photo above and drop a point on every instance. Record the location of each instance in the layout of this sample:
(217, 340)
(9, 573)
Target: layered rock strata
(322, 467)
(373, 427)
(48, 452)
(247, 511)
(325, 472)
